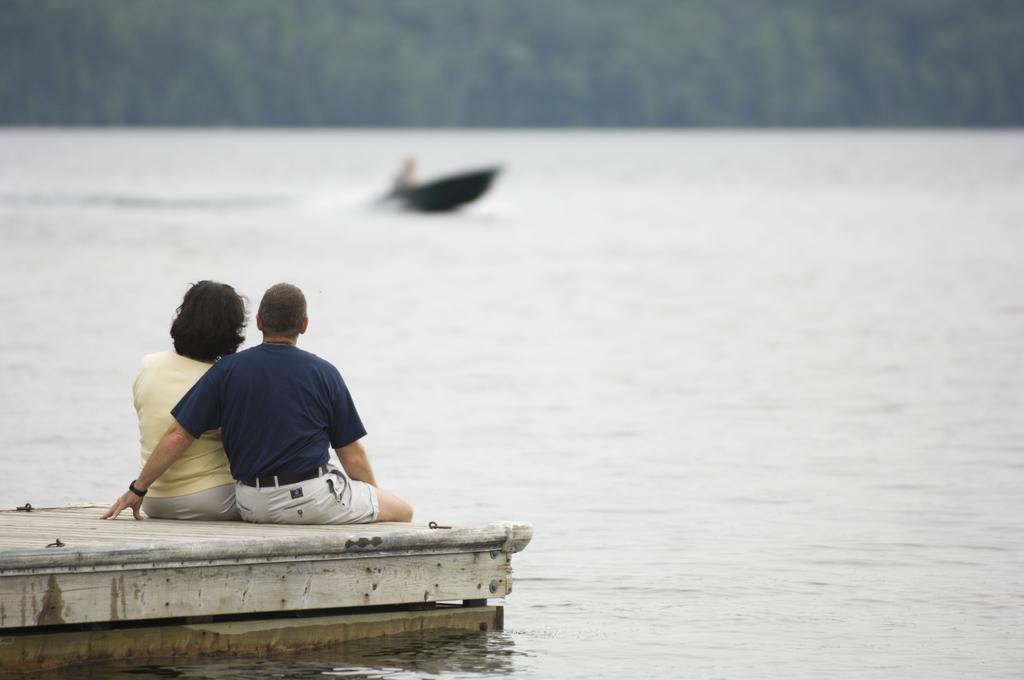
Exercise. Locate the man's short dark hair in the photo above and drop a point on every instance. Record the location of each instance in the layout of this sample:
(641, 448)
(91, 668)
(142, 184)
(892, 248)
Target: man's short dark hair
(282, 310)
(210, 323)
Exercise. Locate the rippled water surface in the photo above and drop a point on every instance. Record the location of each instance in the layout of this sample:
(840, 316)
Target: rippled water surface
(760, 393)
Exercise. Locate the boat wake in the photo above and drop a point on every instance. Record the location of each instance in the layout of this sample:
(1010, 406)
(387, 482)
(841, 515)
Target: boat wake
(149, 202)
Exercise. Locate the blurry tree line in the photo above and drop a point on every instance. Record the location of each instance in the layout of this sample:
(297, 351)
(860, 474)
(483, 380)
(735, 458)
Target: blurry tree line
(512, 62)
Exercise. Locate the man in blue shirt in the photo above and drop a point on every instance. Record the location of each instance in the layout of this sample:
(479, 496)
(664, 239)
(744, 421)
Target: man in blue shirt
(280, 409)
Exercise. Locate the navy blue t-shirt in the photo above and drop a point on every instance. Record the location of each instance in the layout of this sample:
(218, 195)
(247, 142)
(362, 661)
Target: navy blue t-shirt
(280, 410)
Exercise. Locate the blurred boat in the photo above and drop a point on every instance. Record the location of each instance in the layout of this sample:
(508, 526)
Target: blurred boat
(447, 193)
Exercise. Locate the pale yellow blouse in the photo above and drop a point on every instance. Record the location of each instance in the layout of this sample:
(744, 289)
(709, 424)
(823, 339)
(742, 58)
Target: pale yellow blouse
(162, 381)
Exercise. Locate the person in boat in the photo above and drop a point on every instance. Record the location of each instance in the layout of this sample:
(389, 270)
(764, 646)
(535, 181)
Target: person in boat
(209, 324)
(406, 178)
(280, 409)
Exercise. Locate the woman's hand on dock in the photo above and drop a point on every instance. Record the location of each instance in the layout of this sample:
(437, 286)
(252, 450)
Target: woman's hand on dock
(127, 500)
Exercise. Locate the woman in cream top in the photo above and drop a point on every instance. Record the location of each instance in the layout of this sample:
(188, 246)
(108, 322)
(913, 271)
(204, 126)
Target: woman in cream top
(209, 324)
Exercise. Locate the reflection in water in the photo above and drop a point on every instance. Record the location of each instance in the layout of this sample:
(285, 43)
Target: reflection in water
(402, 656)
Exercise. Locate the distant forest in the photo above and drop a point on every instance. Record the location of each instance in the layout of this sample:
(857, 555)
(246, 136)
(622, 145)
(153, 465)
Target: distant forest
(512, 62)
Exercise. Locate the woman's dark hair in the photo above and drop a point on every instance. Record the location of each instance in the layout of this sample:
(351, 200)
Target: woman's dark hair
(210, 322)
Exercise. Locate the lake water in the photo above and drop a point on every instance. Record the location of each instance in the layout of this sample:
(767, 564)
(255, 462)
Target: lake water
(760, 393)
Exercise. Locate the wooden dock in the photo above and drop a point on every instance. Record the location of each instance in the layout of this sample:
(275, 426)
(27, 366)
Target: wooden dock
(75, 588)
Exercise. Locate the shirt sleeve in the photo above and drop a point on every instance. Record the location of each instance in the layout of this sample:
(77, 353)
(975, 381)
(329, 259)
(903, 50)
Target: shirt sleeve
(345, 426)
(200, 409)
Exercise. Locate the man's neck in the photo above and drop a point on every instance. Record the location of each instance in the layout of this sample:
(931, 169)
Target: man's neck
(275, 340)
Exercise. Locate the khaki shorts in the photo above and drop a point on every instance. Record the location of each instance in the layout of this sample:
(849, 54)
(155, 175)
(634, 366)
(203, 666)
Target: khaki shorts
(215, 503)
(333, 498)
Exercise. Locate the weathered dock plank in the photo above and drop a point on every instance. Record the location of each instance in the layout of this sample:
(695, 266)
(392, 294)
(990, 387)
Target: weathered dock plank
(311, 583)
(100, 574)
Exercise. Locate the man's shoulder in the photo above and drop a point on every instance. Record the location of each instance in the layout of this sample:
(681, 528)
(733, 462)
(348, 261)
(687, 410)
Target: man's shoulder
(317, 368)
(284, 358)
(316, 359)
(262, 354)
